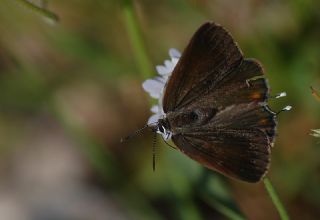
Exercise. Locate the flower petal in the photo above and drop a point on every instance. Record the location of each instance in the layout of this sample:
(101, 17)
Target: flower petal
(153, 87)
(155, 109)
(174, 53)
(162, 70)
(154, 118)
(169, 65)
(174, 61)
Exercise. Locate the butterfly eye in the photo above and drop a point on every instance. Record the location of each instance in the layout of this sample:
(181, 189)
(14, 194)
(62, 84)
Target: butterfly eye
(161, 129)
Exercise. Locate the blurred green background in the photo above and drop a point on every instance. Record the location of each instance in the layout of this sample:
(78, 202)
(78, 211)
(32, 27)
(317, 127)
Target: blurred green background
(70, 91)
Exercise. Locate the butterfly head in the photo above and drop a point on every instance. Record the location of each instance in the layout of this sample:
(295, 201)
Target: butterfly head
(163, 127)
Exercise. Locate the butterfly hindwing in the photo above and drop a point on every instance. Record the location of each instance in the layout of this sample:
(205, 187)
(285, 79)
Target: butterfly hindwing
(235, 141)
(241, 154)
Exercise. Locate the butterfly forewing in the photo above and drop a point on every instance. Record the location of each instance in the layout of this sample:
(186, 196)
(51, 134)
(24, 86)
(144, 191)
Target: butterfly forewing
(215, 103)
(210, 54)
(235, 87)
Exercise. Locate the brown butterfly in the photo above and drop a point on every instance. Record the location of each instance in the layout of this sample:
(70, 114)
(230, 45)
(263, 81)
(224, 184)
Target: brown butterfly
(215, 107)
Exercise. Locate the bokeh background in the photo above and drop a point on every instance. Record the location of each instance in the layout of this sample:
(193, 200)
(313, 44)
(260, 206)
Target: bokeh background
(69, 91)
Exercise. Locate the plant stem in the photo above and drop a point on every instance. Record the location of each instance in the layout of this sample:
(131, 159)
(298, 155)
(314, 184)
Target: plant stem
(39, 10)
(275, 199)
(135, 37)
(222, 208)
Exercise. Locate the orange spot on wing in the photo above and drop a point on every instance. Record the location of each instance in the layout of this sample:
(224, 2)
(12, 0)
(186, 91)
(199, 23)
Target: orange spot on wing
(263, 121)
(255, 95)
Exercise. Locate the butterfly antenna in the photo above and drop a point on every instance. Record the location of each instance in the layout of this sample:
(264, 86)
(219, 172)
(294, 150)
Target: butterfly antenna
(287, 108)
(279, 95)
(134, 133)
(154, 151)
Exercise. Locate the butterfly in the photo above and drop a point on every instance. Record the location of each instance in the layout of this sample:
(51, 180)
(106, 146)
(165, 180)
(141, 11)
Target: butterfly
(215, 107)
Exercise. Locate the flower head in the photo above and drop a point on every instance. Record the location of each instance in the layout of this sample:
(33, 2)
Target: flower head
(155, 86)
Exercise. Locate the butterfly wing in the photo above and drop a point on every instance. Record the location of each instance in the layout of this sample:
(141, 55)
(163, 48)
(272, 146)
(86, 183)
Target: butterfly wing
(210, 55)
(229, 157)
(235, 142)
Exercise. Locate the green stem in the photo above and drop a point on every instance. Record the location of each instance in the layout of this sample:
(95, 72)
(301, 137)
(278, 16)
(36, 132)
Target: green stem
(223, 209)
(42, 11)
(275, 199)
(136, 40)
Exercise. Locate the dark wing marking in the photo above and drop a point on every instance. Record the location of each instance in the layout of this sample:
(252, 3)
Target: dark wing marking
(236, 141)
(211, 54)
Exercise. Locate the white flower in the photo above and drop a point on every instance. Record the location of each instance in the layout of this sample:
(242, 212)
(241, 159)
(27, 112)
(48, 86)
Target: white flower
(155, 87)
